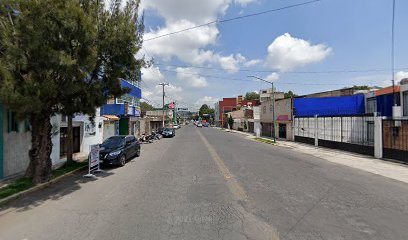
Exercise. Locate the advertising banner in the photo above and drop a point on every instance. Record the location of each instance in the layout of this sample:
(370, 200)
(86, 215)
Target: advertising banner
(93, 160)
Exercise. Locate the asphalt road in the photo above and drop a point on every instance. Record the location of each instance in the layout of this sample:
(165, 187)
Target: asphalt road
(210, 184)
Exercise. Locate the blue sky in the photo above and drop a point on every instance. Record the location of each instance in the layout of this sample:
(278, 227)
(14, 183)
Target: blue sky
(209, 63)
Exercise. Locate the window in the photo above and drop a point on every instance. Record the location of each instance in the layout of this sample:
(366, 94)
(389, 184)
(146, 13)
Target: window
(17, 125)
(271, 108)
(371, 105)
(264, 109)
(125, 98)
(12, 122)
(405, 103)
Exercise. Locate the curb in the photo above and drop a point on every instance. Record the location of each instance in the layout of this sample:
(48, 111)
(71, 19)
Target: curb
(39, 187)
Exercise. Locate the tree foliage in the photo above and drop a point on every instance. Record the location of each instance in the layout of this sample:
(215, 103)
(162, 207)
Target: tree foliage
(290, 94)
(362, 87)
(205, 109)
(252, 96)
(144, 107)
(64, 57)
(230, 122)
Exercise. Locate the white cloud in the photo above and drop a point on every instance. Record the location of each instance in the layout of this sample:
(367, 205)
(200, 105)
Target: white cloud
(209, 100)
(272, 77)
(152, 74)
(286, 53)
(243, 3)
(252, 62)
(190, 77)
(197, 11)
(189, 46)
(231, 63)
(400, 75)
(153, 94)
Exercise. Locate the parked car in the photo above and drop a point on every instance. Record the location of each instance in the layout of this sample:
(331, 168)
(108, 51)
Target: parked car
(160, 130)
(168, 132)
(206, 124)
(199, 125)
(177, 126)
(116, 150)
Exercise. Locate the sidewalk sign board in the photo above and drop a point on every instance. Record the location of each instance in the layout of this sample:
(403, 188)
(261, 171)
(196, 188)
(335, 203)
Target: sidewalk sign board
(93, 160)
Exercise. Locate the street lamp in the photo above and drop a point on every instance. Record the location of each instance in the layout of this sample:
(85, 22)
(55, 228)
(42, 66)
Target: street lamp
(273, 106)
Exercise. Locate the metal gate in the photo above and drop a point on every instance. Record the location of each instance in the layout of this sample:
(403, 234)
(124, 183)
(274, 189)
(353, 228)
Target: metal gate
(266, 129)
(76, 132)
(395, 139)
(349, 133)
(282, 130)
(251, 127)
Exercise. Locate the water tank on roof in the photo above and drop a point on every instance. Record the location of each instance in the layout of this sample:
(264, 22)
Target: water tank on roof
(404, 81)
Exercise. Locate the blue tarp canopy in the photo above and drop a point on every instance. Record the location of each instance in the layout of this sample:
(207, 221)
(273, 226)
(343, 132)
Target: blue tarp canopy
(134, 91)
(329, 106)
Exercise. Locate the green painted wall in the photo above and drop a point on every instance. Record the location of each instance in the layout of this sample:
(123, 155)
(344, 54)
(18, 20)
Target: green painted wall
(1, 142)
(124, 126)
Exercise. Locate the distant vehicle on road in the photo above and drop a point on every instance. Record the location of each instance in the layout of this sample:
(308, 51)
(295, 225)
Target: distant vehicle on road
(176, 126)
(206, 124)
(116, 150)
(169, 132)
(199, 125)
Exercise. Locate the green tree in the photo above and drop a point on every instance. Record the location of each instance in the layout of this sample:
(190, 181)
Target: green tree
(290, 94)
(206, 112)
(63, 57)
(230, 122)
(144, 107)
(363, 87)
(252, 96)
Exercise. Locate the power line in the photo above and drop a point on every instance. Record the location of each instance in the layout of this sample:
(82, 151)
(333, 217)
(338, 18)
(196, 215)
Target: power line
(288, 72)
(247, 80)
(233, 19)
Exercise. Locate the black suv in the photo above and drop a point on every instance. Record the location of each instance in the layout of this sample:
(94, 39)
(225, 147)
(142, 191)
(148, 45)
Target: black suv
(116, 150)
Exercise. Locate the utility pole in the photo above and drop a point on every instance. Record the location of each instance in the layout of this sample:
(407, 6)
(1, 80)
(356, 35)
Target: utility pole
(273, 131)
(163, 85)
(394, 102)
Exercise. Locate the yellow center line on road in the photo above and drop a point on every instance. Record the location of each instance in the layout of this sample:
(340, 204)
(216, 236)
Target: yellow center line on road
(254, 227)
(235, 187)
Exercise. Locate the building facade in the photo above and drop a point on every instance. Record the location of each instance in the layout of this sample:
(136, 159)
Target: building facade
(229, 105)
(126, 108)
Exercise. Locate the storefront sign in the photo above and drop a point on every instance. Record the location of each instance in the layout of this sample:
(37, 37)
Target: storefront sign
(90, 129)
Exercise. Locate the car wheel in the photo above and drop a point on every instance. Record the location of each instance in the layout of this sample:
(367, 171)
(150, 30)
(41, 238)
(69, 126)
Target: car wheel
(138, 152)
(122, 160)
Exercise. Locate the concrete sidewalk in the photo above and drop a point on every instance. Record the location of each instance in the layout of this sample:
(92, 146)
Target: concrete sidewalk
(369, 164)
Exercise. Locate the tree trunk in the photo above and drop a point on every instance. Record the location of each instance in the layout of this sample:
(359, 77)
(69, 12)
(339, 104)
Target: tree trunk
(39, 168)
(70, 146)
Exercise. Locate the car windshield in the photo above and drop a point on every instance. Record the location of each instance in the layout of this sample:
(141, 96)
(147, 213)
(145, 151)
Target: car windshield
(167, 129)
(113, 142)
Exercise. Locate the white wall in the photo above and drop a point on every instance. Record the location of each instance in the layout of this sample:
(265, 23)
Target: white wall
(15, 150)
(90, 137)
(17, 145)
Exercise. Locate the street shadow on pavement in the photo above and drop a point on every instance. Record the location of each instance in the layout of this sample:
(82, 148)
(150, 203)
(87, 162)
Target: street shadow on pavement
(53, 192)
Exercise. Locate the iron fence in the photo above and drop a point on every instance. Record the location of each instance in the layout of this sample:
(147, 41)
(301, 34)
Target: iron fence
(351, 133)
